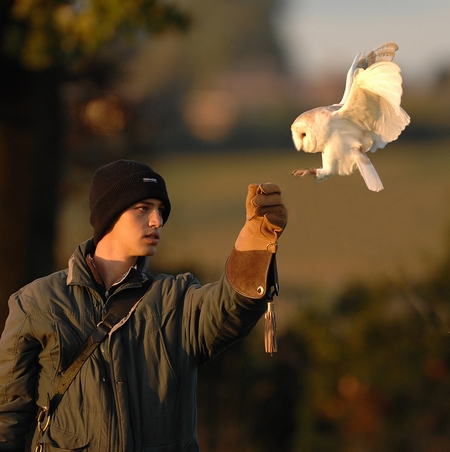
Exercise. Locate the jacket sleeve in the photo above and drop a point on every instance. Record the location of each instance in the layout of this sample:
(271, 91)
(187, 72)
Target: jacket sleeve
(221, 313)
(18, 374)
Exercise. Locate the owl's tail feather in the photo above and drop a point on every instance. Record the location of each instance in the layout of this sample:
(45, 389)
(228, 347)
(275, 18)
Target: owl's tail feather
(369, 174)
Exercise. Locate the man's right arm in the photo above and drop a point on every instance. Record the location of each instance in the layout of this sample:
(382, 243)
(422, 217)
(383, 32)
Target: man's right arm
(19, 368)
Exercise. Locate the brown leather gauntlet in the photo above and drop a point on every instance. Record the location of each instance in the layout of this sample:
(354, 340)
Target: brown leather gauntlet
(247, 268)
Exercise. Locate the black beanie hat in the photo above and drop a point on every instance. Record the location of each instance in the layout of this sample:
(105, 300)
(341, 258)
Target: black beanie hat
(117, 186)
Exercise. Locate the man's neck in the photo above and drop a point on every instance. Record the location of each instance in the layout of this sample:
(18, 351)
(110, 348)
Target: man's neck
(110, 266)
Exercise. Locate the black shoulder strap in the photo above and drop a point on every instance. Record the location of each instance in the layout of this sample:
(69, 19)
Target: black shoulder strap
(116, 313)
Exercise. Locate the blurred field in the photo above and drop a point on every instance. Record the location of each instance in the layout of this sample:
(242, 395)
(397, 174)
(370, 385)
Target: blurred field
(338, 230)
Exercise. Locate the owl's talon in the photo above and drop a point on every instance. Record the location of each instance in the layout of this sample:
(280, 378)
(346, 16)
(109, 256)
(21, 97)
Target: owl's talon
(304, 172)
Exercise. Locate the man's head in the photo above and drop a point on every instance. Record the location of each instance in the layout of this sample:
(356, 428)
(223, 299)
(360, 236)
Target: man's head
(117, 186)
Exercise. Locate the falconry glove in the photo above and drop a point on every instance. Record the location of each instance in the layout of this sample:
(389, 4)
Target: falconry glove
(247, 268)
(266, 218)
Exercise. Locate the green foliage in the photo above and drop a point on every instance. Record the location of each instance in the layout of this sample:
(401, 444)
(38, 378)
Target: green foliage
(371, 373)
(47, 33)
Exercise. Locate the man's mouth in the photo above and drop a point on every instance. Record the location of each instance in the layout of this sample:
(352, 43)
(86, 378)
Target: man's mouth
(152, 238)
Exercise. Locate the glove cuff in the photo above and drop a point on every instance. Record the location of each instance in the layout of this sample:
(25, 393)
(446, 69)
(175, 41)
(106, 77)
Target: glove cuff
(250, 273)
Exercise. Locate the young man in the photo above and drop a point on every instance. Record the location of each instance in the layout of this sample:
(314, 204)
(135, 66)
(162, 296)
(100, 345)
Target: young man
(136, 391)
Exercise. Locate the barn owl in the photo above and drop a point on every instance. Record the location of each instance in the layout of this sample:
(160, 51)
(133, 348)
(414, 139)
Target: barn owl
(368, 117)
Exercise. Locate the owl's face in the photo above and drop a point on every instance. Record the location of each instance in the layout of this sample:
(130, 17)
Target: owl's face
(303, 136)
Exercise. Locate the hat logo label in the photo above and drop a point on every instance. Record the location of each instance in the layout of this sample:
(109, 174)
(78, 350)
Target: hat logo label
(149, 179)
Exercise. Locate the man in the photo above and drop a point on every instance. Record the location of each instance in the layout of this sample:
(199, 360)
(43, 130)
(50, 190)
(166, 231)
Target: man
(136, 391)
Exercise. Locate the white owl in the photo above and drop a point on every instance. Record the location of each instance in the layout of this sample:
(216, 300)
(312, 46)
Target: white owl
(367, 118)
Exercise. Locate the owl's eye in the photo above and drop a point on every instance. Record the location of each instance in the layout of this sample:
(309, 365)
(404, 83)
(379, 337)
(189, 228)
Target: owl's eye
(303, 134)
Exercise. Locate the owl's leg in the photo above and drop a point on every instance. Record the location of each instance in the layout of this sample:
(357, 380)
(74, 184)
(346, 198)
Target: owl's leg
(323, 173)
(304, 172)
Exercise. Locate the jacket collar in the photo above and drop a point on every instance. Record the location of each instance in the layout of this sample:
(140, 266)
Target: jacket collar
(78, 272)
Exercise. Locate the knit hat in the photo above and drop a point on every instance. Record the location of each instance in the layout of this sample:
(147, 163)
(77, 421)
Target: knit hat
(117, 186)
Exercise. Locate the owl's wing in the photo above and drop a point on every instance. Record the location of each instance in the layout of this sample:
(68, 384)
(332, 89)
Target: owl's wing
(373, 102)
(384, 52)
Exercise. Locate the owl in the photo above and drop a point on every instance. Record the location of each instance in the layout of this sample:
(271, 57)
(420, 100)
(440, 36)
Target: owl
(368, 117)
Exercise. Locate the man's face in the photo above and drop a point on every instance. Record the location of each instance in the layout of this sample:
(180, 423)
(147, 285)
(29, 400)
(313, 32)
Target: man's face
(137, 231)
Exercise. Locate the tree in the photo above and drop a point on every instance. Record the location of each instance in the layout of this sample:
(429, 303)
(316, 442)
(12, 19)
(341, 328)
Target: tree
(42, 45)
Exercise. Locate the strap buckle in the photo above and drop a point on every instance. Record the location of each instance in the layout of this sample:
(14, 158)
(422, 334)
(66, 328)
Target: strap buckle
(43, 419)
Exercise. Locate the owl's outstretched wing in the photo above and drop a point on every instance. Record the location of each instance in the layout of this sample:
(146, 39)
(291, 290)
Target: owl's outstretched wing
(384, 52)
(373, 102)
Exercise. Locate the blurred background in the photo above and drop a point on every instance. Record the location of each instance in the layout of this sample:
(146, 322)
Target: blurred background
(205, 93)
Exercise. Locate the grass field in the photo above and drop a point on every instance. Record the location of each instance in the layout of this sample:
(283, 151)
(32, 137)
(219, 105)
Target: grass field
(338, 230)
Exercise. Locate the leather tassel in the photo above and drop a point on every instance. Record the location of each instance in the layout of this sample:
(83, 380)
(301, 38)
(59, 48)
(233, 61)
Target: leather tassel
(270, 330)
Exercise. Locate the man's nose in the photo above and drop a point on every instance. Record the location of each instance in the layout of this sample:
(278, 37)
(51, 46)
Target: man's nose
(155, 219)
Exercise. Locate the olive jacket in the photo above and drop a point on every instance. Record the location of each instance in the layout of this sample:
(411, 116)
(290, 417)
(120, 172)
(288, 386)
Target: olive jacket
(135, 393)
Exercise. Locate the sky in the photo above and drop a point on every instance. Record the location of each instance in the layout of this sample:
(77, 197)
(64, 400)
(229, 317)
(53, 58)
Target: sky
(325, 35)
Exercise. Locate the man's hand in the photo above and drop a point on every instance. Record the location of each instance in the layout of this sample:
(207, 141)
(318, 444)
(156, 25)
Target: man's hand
(266, 218)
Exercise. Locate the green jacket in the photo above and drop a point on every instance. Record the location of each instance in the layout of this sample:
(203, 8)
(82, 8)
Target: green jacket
(139, 389)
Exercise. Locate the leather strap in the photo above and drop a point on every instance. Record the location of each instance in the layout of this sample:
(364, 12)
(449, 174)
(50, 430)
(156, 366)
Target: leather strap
(116, 313)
